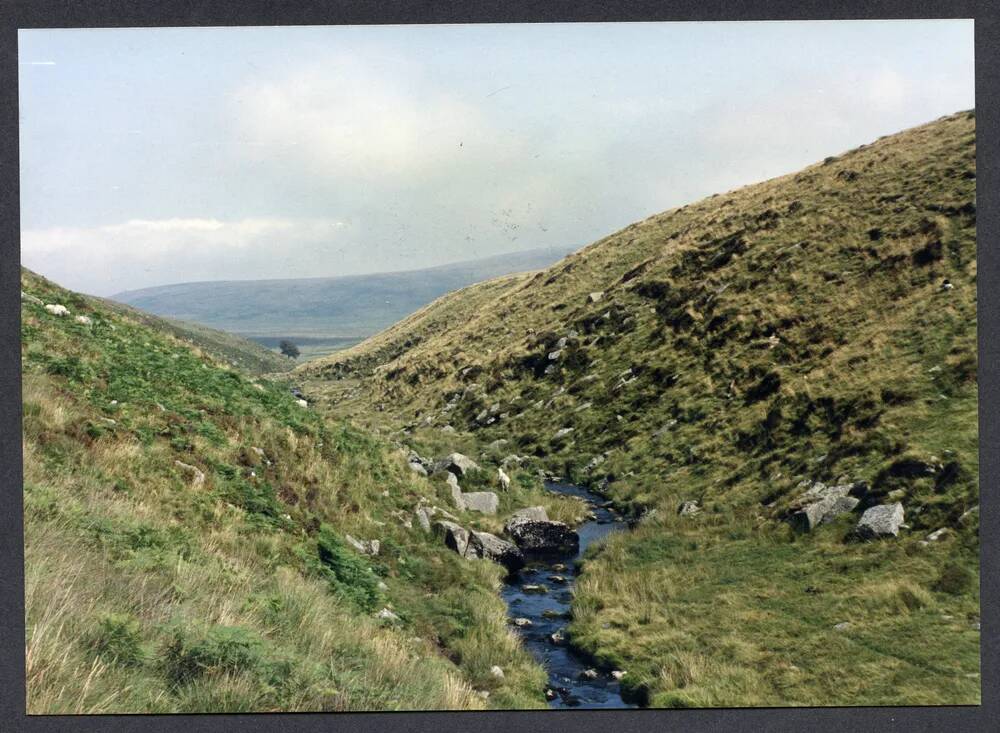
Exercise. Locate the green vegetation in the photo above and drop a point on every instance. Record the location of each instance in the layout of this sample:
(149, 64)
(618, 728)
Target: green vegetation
(185, 541)
(816, 327)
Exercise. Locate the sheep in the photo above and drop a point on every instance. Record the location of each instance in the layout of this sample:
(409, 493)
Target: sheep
(56, 309)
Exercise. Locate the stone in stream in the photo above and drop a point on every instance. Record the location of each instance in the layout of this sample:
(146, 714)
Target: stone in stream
(618, 674)
(522, 623)
(535, 535)
(490, 547)
(558, 637)
(589, 674)
(534, 588)
(557, 578)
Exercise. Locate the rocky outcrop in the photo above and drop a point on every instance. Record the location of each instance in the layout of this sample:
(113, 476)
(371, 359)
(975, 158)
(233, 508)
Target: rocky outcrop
(456, 492)
(365, 547)
(490, 547)
(541, 535)
(880, 521)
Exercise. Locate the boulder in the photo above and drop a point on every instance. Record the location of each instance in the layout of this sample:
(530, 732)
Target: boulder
(455, 537)
(496, 672)
(490, 547)
(534, 535)
(595, 297)
(456, 492)
(456, 463)
(522, 623)
(880, 521)
(423, 519)
(532, 512)
(485, 502)
(194, 474)
(386, 615)
(26, 298)
(504, 479)
(688, 508)
(562, 433)
(418, 468)
(822, 511)
(301, 403)
(365, 547)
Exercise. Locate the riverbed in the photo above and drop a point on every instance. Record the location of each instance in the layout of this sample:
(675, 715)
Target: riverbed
(571, 680)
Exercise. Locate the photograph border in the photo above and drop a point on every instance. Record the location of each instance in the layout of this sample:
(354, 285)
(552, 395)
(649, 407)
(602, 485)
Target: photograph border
(27, 14)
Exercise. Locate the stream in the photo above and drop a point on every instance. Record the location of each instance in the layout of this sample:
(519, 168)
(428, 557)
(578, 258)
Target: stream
(549, 612)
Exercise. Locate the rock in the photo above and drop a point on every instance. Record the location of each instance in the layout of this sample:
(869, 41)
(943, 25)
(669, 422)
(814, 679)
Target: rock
(382, 586)
(842, 626)
(386, 615)
(456, 463)
(688, 508)
(56, 309)
(456, 492)
(490, 547)
(880, 521)
(938, 534)
(535, 535)
(588, 674)
(618, 674)
(485, 502)
(562, 433)
(423, 519)
(366, 547)
(497, 444)
(595, 461)
(553, 355)
(504, 479)
(822, 512)
(595, 297)
(26, 298)
(550, 694)
(418, 468)
(496, 671)
(512, 460)
(536, 513)
(301, 403)
(522, 623)
(969, 515)
(83, 320)
(455, 537)
(558, 637)
(534, 588)
(195, 475)
(447, 429)
(557, 579)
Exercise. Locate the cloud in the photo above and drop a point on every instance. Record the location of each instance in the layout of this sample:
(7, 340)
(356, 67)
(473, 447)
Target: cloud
(139, 253)
(349, 120)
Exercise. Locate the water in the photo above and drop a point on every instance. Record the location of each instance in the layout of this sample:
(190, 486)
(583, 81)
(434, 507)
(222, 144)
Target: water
(549, 612)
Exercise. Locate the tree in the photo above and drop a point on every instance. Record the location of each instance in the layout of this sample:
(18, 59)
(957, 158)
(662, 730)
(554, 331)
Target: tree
(289, 349)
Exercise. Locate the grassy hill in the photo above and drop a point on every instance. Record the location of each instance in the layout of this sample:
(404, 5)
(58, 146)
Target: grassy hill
(323, 314)
(186, 540)
(815, 327)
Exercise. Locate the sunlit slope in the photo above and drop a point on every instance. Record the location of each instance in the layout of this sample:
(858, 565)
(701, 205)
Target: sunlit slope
(816, 327)
(186, 541)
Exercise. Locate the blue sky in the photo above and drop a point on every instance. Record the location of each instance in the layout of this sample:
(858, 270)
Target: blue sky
(151, 156)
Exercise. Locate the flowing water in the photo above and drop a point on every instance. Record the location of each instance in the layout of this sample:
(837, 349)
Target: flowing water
(549, 612)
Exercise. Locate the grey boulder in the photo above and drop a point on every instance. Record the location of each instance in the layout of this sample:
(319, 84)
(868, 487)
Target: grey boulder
(535, 535)
(880, 521)
(490, 547)
(485, 502)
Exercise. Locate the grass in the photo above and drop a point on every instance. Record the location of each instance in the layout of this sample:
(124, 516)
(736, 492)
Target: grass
(149, 592)
(820, 326)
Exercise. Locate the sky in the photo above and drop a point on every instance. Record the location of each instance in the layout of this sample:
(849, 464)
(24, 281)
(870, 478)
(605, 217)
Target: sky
(155, 156)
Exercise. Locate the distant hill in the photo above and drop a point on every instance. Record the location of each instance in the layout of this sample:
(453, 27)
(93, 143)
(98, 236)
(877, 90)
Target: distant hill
(329, 312)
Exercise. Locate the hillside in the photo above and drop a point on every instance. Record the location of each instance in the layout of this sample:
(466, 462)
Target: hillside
(819, 327)
(323, 314)
(188, 540)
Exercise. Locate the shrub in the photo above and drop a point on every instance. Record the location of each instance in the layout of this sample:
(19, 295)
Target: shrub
(348, 575)
(954, 580)
(118, 639)
(222, 649)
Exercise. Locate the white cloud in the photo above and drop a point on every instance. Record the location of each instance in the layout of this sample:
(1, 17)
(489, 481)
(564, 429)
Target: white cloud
(140, 252)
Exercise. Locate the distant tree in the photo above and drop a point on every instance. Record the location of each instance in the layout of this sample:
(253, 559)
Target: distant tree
(289, 349)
